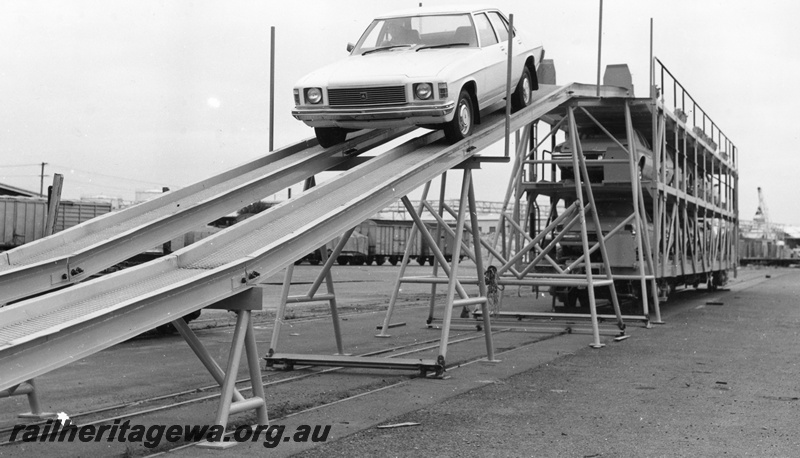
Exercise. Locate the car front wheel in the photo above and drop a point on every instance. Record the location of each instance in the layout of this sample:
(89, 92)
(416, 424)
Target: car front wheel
(330, 136)
(461, 125)
(521, 97)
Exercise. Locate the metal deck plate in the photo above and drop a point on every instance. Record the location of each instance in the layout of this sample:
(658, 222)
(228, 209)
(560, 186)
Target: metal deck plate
(71, 311)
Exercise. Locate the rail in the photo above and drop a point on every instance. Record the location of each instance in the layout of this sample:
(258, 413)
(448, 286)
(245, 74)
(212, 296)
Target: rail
(683, 103)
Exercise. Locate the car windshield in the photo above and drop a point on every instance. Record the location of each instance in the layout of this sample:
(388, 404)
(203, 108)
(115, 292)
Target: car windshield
(417, 31)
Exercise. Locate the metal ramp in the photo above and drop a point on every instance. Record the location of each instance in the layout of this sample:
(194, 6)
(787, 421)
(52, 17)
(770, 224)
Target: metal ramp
(75, 254)
(47, 332)
(40, 334)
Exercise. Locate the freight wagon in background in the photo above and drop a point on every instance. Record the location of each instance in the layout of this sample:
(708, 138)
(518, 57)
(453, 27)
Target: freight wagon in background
(23, 218)
(378, 241)
(766, 252)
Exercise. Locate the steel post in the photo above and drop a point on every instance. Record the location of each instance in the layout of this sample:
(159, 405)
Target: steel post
(476, 235)
(328, 261)
(337, 331)
(440, 242)
(234, 357)
(640, 229)
(257, 385)
(281, 311)
(576, 158)
(451, 286)
(29, 389)
(509, 62)
(203, 355)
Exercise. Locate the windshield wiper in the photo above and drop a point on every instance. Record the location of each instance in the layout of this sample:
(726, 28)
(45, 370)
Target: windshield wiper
(384, 48)
(446, 45)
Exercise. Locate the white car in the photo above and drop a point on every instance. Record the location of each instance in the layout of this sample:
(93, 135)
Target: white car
(435, 68)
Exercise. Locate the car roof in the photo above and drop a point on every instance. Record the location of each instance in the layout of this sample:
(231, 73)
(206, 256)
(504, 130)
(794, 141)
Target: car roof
(433, 10)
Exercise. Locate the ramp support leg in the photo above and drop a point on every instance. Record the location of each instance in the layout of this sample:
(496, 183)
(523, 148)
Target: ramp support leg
(453, 274)
(441, 245)
(281, 311)
(29, 389)
(203, 355)
(337, 331)
(243, 337)
(476, 236)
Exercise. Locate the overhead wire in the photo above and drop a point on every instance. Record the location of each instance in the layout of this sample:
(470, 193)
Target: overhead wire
(114, 177)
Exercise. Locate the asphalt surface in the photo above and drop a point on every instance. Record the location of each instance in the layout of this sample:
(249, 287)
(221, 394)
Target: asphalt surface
(719, 378)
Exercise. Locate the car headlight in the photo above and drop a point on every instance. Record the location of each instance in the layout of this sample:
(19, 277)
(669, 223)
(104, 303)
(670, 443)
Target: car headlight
(423, 91)
(313, 95)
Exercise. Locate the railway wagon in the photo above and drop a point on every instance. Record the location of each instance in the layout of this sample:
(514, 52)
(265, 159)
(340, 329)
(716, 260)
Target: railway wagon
(389, 238)
(664, 191)
(766, 252)
(22, 219)
(378, 241)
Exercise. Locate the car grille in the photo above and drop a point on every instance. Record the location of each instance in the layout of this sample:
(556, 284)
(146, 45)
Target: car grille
(365, 96)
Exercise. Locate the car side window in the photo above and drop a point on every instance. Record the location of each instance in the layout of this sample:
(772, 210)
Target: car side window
(485, 31)
(500, 25)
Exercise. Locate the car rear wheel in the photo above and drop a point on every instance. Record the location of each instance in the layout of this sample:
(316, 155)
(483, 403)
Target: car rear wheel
(463, 120)
(330, 136)
(521, 97)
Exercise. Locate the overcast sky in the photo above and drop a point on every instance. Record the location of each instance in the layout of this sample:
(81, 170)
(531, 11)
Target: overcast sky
(125, 95)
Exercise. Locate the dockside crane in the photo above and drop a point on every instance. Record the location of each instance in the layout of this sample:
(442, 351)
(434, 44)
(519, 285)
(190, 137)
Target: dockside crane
(761, 219)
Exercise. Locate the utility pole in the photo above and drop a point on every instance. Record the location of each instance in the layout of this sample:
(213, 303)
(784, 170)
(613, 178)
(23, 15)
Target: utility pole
(271, 88)
(41, 180)
(599, 46)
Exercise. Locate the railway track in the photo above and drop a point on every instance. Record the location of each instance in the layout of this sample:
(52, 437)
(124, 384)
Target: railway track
(164, 402)
(290, 381)
(450, 367)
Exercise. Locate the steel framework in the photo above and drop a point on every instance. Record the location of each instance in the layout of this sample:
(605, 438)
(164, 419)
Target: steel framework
(668, 214)
(437, 366)
(488, 133)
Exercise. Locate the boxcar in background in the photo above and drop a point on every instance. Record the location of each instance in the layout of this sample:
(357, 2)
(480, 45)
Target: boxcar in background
(23, 218)
(378, 241)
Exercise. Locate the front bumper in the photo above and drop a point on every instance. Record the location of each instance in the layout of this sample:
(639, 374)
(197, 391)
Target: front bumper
(375, 117)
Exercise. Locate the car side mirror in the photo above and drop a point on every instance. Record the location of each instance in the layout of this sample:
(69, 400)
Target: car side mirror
(350, 47)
